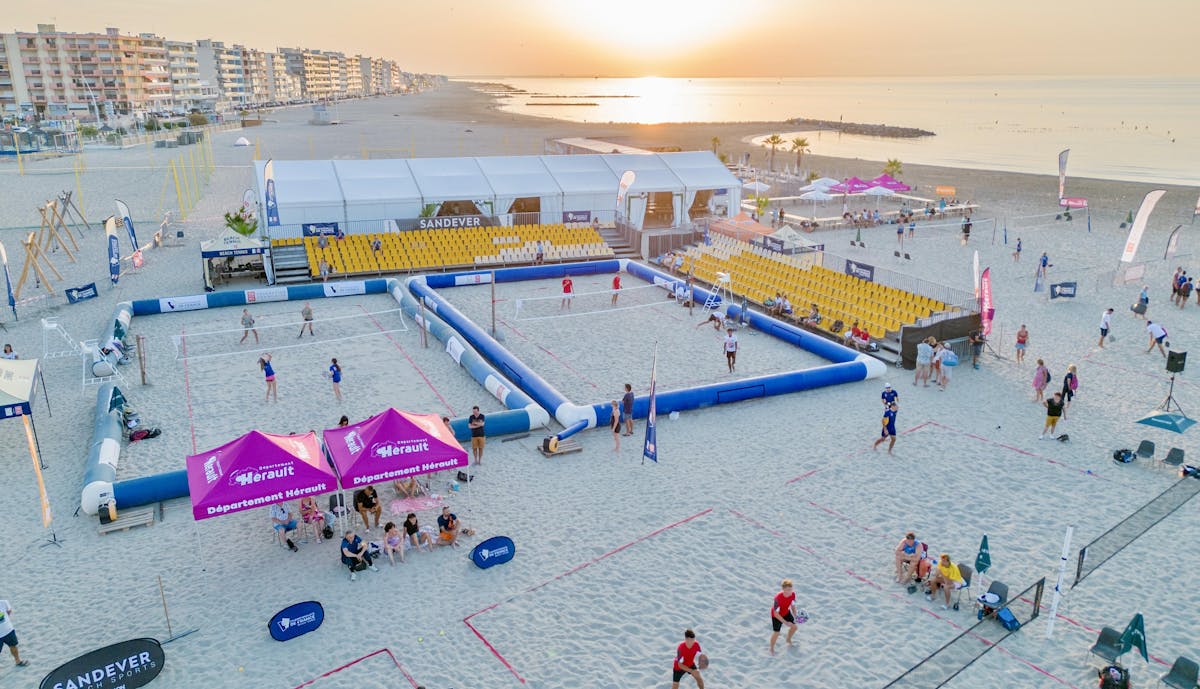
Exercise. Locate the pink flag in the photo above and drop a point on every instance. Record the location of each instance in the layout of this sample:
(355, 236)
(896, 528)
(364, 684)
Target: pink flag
(987, 310)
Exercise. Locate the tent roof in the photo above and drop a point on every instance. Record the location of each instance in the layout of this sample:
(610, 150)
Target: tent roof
(230, 243)
(450, 179)
(377, 181)
(305, 182)
(652, 173)
(257, 470)
(582, 174)
(519, 176)
(392, 445)
(18, 380)
(699, 170)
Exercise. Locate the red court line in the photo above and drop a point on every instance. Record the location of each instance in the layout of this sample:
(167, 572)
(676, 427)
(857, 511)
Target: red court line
(803, 476)
(410, 361)
(568, 367)
(187, 386)
(335, 670)
(896, 596)
(1027, 453)
(585, 565)
(852, 453)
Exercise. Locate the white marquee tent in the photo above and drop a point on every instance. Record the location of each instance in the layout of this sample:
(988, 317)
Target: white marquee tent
(371, 195)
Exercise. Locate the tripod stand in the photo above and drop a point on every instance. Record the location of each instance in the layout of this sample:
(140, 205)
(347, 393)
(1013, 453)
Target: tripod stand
(1169, 403)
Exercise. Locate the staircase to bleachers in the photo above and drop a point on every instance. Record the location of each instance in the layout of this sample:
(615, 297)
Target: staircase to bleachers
(615, 240)
(290, 263)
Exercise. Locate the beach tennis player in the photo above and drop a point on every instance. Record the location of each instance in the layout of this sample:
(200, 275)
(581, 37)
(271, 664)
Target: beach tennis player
(687, 660)
(781, 613)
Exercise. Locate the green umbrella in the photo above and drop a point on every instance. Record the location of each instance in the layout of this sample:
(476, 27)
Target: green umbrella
(983, 561)
(1135, 636)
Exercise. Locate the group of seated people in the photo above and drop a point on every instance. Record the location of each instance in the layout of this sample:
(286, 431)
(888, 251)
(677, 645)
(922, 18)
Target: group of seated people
(863, 218)
(857, 337)
(778, 305)
(672, 261)
(914, 568)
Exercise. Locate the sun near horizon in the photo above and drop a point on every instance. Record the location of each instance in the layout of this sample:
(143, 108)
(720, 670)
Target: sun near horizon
(685, 38)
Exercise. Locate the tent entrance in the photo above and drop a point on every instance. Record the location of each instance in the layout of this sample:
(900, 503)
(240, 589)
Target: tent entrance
(660, 209)
(700, 208)
(527, 204)
(462, 207)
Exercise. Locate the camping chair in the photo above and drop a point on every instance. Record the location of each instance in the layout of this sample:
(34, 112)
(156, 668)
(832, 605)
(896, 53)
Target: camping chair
(1183, 675)
(1145, 449)
(1174, 458)
(966, 572)
(1108, 645)
(346, 517)
(1000, 590)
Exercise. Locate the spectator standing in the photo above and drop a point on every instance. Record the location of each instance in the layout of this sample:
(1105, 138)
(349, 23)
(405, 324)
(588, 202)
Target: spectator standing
(1105, 324)
(1041, 378)
(1022, 343)
(476, 423)
(1070, 385)
(8, 635)
(615, 424)
(1017, 253)
(627, 408)
(924, 362)
(1054, 410)
(1185, 292)
(976, 340)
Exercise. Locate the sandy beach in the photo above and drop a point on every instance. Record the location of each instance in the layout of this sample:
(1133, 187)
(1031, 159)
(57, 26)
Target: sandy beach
(614, 559)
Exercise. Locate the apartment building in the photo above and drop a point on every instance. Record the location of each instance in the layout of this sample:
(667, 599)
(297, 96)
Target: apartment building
(258, 89)
(188, 89)
(338, 74)
(224, 66)
(282, 85)
(53, 74)
(311, 67)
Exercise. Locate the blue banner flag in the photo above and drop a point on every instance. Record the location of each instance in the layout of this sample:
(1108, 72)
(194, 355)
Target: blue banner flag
(123, 214)
(272, 202)
(12, 301)
(650, 446)
(114, 250)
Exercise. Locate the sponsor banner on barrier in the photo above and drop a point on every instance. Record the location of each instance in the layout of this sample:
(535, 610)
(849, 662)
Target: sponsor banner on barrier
(126, 665)
(78, 294)
(316, 229)
(254, 296)
(577, 216)
(296, 620)
(1065, 290)
(472, 279)
(455, 349)
(189, 302)
(494, 551)
(862, 271)
(450, 222)
(345, 289)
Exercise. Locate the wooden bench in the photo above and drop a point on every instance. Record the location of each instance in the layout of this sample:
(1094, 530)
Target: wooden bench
(128, 519)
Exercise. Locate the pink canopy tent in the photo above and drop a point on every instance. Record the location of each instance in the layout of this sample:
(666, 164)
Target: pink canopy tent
(853, 185)
(393, 445)
(256, 470)
(888, 182)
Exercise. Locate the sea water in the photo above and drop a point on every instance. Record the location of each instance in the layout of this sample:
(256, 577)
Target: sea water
(1138, 129)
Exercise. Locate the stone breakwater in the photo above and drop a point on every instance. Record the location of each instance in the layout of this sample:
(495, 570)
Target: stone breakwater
(859, 128)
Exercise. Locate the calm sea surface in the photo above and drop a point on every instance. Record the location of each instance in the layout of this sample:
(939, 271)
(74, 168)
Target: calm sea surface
(1139, 129)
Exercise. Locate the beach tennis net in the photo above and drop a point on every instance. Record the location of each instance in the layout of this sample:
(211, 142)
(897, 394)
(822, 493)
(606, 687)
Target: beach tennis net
(1113, 541)
(283, 329)
(535, 308)
(947, 662)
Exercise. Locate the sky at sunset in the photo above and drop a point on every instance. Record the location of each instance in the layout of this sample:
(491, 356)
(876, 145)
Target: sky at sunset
(690, 38)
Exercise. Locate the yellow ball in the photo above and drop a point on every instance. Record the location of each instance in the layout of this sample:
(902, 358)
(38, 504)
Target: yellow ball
(241, 669)
(441, 632)
(420, 639)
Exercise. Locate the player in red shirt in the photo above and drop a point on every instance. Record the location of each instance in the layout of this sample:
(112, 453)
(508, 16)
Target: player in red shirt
(616, 288)
(685, 660)
(781, 613)
(568, 292)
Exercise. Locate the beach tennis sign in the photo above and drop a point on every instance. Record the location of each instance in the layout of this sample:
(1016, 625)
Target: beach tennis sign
(296, 620)
(126, 665)
(1064, 290)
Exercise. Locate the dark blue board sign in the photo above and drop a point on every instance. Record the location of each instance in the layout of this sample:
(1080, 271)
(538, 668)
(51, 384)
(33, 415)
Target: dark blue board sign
(494, 551)
(296, 620)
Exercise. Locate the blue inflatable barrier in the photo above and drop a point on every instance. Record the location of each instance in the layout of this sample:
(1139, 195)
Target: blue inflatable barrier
(494, 551)
(150, 489)
(100, 468)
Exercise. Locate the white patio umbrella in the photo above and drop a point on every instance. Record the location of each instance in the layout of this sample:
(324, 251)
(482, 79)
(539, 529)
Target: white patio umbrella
(817, 195)
(756, 187)
(878, 192)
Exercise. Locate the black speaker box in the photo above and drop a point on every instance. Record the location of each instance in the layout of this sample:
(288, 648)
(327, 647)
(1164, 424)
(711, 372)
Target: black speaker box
(1176, 362)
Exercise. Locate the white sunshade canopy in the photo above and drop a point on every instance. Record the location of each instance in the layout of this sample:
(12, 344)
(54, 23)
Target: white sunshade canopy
(450, 179)
(306, 191)
(652, 172)
(699, 170)
(376, 189)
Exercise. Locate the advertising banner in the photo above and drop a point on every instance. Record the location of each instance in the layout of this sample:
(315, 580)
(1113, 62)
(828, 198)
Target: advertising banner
(862, 271)
(78, 294)
(987, 309)
(577, 216)
(494, 551)
(126, 665)
(296, 620)
(272, 201)
(114, 250)
(316, 229)
(1065, 290)
(123, 214)
(1062, 172)
(1139, 224)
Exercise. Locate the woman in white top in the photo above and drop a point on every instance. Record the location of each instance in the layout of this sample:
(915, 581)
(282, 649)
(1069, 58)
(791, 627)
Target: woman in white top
(924, 361)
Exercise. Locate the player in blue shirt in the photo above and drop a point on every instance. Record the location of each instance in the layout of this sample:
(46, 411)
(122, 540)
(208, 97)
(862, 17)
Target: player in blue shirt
(889, 428)
(889, 395)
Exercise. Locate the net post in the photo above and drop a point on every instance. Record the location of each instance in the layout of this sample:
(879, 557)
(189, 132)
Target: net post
(141, 352)
(421, 324)
(492, 282)
(1079, 566)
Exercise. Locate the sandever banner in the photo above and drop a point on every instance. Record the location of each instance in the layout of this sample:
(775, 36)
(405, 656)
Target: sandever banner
(128, 665)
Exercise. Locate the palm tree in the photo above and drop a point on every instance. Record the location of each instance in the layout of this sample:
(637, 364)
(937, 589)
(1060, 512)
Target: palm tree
(799, 147)
(716, 141)
(893, 167)
(773, 141)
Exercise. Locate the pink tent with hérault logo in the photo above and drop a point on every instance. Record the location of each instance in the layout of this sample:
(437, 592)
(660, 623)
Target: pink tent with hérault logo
(853, 185)
(888, 182)
(257, 470)
(392, 445)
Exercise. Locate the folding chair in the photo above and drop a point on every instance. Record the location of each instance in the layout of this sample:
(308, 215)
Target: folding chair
(1000, 589)
(966, 572)
(1174, 457)
(1145, 449)
(1108, 645)
(1184, 674)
